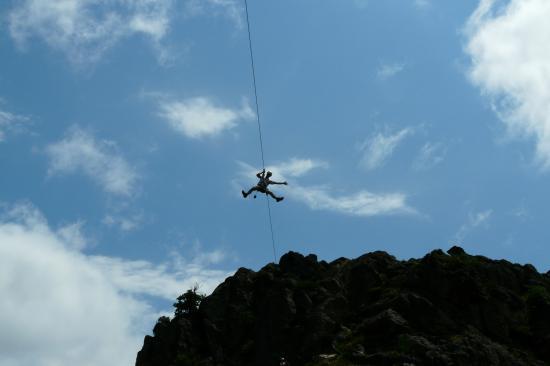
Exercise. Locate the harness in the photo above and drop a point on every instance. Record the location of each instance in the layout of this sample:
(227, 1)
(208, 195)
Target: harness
(263, 183)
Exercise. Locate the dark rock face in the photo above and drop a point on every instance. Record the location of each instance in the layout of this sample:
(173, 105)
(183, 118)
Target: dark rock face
(444, 309)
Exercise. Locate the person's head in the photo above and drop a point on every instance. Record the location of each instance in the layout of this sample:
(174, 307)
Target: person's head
(268, 174)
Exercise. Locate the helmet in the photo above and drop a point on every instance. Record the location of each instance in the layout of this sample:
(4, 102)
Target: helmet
(269, 174)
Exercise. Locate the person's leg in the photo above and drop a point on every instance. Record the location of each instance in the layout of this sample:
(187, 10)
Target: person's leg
(245, 194)
(275, 197)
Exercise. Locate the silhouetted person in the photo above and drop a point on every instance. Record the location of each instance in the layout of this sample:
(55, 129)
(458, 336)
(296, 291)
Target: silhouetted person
(262, 185)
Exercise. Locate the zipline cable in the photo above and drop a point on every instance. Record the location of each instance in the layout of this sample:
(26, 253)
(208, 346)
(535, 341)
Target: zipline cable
(271, 227)
(254, 81)
(259, 124)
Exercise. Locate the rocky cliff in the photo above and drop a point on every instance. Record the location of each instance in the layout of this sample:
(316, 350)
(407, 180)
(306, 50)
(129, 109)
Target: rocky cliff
(444, 309)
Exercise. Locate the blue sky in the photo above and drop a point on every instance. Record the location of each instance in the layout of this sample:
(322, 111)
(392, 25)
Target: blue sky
(128, 129)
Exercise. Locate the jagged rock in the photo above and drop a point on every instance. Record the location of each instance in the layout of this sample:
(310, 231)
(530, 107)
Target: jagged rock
(385, 324)
(325, 359)
(450, 309)
(298, 265)
(456, 251)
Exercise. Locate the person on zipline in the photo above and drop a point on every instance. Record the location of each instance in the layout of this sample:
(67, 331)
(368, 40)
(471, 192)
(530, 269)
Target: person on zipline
(261, 187)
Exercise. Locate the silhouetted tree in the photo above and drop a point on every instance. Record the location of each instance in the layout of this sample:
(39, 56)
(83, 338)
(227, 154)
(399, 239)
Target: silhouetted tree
(188, 303)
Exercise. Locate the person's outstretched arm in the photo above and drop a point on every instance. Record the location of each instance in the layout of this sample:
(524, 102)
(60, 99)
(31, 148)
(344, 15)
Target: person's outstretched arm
(284, 183)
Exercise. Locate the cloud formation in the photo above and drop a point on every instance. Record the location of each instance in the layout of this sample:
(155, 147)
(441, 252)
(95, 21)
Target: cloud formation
(61, 307)
(422, 3)
(123, 222)
(10, 122)
(387, 71)
(71, 235)
(474, 221)
(321, 197)
(167, 280)
(362, 203)
(297, 167)
(79, 151)
(378, 149)
(85, 29)
(430, 155)
(232, 9)
(199, 117)
(508, 46)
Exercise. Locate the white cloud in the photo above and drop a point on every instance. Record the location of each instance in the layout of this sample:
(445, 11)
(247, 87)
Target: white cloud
(61, 307)
(430, 155)
(99, 160)
(480, 217)
(10, 122)
(379, 148)
(71, 235)
(232, 9)
(387, 71)
(56, 307)
(362, 203)
(297, 167)
(422, 3)
(166, 280)
(199, 117)
(123, 223)
(214, 257)
(474, 221)
(508, 46)
(85, 29)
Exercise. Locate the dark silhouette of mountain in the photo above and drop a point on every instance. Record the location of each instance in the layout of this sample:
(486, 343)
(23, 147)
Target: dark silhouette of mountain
(443, 309)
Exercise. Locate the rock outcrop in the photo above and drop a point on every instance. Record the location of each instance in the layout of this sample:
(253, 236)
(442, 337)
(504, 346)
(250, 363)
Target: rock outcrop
(444, 309)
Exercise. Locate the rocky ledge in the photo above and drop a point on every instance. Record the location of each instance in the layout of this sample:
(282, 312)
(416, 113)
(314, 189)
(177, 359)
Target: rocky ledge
(444, 309)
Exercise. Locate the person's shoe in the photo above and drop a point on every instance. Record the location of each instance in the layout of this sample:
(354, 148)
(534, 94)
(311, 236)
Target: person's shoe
(279, 199)
(244, 194)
